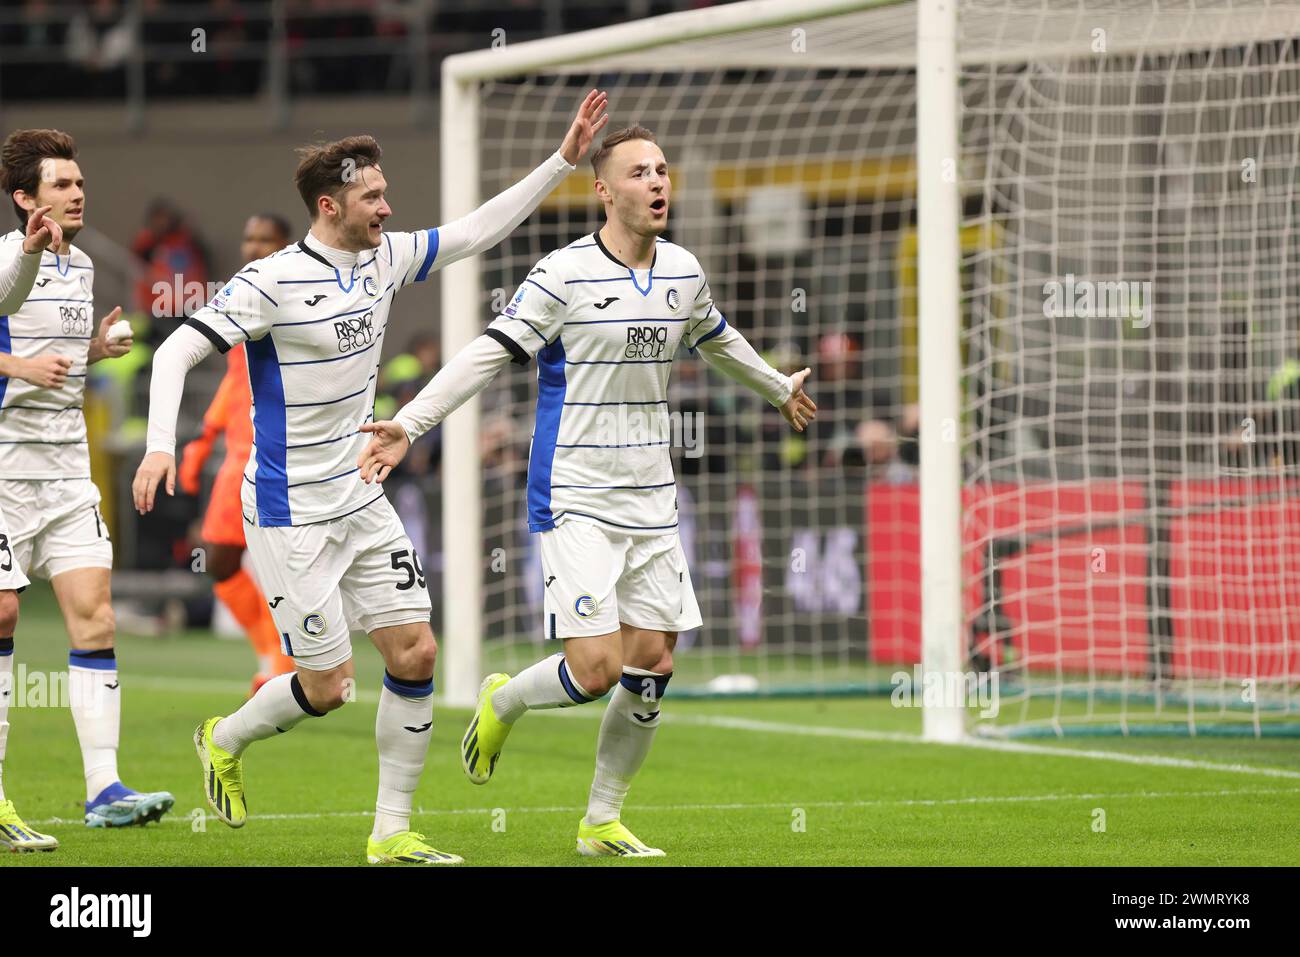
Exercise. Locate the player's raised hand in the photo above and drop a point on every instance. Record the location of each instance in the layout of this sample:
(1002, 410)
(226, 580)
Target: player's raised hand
(799, 409)
(155, 467)
(42, 232)
(387, 447)
(591, 119)
(111, 346)
(45, 371)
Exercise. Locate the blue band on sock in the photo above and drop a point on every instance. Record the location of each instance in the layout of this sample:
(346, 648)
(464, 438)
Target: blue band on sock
(408, 688)
(6, 647)
(636, 683)
(103, 660)
(569, 687)
(300, 696)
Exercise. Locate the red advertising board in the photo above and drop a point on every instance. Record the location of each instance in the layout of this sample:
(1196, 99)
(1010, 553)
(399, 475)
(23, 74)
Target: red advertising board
(1074, 580)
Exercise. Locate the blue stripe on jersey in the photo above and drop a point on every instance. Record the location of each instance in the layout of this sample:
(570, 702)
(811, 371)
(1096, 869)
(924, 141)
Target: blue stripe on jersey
(430, 255)
(529, 325)
(346, 355)
(548, 292)
(7, 347)
(330, 479)
(235, 324)
(620, 488)
(337, 315)
(570, 511)
(601, 322)
(342, 398)
(619, 362)
(269, 433)
(625, 402)
(551, 386)
(268, 298)
(718, 331)
(634, 445)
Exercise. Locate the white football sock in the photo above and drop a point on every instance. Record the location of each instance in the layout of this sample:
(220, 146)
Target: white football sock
(626, 732)
(547, 684)
(278, 706)
(6, 696)
(96, 701)
(403, 727)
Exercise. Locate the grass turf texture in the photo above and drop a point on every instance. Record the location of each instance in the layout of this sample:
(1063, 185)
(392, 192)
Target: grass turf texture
(729, 782)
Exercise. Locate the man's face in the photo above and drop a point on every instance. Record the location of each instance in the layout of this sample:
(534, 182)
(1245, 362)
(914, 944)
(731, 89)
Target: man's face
(635, 175)
(62, 188)
(261, 238)
(363, 209)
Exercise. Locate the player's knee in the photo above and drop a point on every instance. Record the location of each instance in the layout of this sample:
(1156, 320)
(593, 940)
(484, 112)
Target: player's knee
(418, 660)
(330, 692)
(598, 675)
(8, 613)
(96, 627)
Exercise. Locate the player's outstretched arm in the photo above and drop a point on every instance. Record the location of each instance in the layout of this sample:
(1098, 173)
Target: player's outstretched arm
(464, 376)
(494, 220)
(184, 349)
(18, 274)
(732, 355)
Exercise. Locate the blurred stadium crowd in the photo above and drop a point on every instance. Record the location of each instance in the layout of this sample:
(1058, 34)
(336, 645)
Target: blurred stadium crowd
(329, 46)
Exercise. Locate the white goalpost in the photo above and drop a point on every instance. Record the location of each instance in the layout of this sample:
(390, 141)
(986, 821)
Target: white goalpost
(1041, 256)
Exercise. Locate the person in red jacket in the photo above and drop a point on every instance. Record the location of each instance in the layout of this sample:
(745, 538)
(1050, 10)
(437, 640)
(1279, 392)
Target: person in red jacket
(223, 524)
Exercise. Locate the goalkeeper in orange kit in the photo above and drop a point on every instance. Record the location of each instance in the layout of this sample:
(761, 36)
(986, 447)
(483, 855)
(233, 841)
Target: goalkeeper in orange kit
(223, 525)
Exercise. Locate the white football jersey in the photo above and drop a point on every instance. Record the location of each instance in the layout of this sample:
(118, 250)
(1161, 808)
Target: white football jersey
(314, 334)
(43, 431)
(605, 336)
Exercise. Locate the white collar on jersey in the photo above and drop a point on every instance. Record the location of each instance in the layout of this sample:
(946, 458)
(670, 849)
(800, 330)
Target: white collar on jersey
(338, 258)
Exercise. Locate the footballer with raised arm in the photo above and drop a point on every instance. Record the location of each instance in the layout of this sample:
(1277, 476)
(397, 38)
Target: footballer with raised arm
(604, 317)
(328, 548)
(49, 501)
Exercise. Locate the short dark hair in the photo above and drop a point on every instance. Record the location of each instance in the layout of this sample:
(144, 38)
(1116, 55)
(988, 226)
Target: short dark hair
(279, 222)
(327, 169)
(635, 132)
(20, 161)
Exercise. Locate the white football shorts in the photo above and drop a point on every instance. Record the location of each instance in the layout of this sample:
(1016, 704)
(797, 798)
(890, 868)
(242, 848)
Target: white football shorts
(55, 525)
(11, 572)
(596, 578)
(323, 579)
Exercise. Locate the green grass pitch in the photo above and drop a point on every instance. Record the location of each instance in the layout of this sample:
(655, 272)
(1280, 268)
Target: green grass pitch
(808, 782)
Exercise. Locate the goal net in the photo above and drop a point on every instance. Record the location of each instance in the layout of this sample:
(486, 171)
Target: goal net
(1129, 403)
(1127, 527)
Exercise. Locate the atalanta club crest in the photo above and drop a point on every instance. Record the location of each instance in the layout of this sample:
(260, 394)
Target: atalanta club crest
(673, 299)
(314, 625)
(370, 286)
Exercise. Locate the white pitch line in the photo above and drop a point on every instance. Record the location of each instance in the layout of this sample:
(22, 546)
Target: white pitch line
(768, 805)
(857, 734)
(806, 730)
